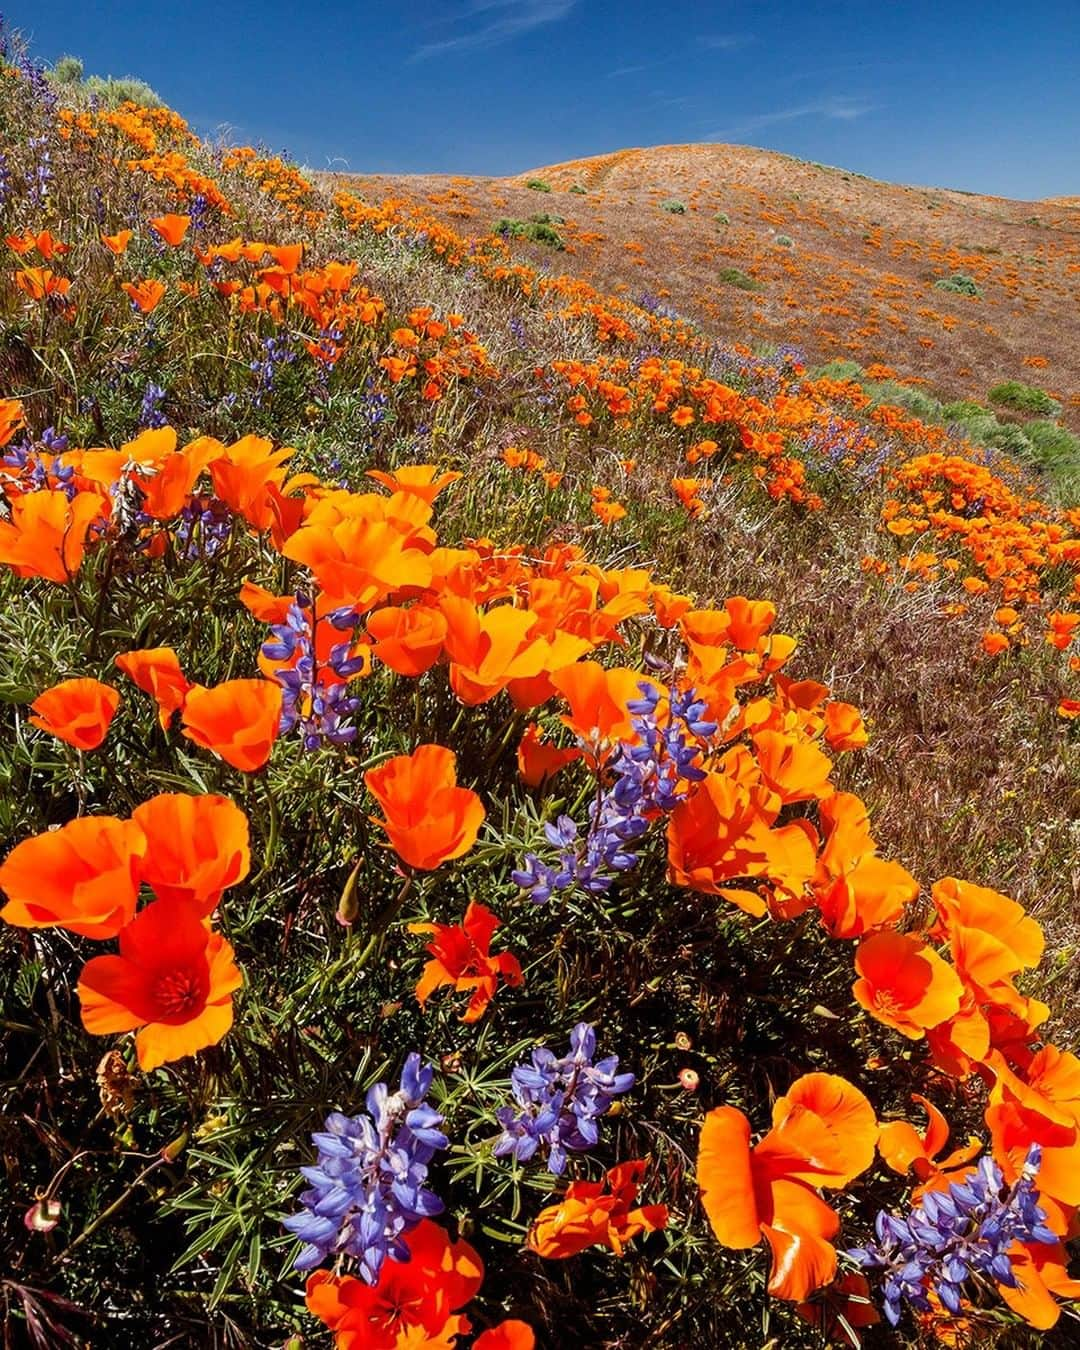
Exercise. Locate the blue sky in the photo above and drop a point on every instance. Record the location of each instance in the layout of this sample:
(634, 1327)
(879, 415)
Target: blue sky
(979, 96)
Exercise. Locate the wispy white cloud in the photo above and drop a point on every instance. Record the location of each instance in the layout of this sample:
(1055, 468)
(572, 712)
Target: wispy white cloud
(487, 23)
(836, 107)
(630, 70)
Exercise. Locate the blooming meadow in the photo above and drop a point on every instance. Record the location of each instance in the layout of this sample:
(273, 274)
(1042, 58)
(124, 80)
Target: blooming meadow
(438, 909)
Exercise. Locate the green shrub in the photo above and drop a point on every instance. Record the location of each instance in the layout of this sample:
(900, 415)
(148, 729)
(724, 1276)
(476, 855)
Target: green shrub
(676, 207)
(784, 241)
(581, 192)
(958, 284)
(538, 231)
(1053, 446)
(722, 218)
(68, 70)
(538, 185)
(732, 276)
(840, 369)
(922, 405)
(1024, 398)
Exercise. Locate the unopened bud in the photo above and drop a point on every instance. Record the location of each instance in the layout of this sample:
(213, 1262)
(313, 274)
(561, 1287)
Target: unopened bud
(348, 909)
(172, 1151)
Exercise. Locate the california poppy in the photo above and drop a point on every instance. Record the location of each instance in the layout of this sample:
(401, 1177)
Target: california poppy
(538, 760)
(77, 712)
(48, 533)
(238, 720)
(462, 960)
(196, 847)
(156, 670)
(904, 983)
(171, 228)
(596, 1213)
(823, 1135)
(408, 640)
(83, 876)
(117, 243)
(598, 697)
(414, 1302)
(429, 818)
(144, 295)
(511, 1334)
(172, 984)
(422, 480)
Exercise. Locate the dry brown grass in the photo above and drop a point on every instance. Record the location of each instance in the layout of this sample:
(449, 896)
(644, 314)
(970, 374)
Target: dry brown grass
(857, 281)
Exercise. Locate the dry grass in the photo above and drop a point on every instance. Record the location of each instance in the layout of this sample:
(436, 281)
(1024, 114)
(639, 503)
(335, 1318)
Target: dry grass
(863, 264)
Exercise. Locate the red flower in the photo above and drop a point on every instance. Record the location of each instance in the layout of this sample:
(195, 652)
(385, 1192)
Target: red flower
(462, 960)
(413, 1303)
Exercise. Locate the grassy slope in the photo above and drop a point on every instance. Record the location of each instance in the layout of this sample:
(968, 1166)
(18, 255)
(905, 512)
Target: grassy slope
(857, 280)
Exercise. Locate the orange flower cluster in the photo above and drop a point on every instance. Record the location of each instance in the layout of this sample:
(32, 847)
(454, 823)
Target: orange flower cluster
(173, 979)
(414, 1303)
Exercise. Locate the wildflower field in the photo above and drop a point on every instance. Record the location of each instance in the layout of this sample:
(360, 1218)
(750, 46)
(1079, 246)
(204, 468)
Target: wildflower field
(524, 819)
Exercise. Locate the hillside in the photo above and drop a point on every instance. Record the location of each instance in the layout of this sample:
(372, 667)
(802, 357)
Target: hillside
(855, 281)
(532, 816)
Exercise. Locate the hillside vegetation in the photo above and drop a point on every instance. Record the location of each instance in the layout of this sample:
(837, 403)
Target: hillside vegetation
(578, 754)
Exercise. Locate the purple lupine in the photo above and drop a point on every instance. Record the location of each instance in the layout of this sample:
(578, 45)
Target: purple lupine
(276, 352)
(5, 179)
(367, 1187)
(41, 177)
(648, 781)
(321, 708)
(954, 1235)
(559, 1101)
(202, 528)
(150, 414)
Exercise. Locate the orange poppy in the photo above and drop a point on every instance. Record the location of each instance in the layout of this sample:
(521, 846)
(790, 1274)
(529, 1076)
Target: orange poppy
(538, 760)
(429, 818)
(77, 712)
(156, 671)
(902, 1148)
(11, 418)
(905, 984)
(172, 984)
(463, 961)
(596, 1213)
(238, 720)
(509, 1335)
(196, 847)
(598, 697)
(40, 282)
(408, 640)
(144, 295)
(47, 534)
(83, 876)
(413, 1303)
(823, 1134)
(171, 228)
(418, 479)
(117, 243)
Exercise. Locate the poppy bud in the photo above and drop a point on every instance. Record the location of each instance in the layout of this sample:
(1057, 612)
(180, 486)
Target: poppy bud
(294, 1343)
(172, 1151)
(43, 1215)
(348, 909)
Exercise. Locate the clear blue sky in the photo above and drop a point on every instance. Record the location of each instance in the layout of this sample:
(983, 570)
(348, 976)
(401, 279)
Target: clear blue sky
(980, 96)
